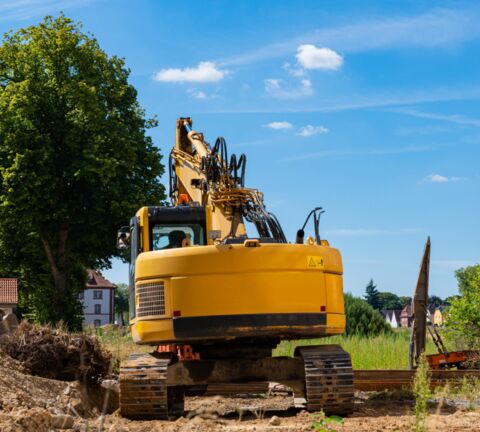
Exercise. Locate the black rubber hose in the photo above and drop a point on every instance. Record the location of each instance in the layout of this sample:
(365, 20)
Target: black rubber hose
(242, 163)
(173, 177)
(278, 227)
(233, 166)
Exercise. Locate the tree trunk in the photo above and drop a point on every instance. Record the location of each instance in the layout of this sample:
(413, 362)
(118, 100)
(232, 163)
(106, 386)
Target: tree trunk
(58, 265)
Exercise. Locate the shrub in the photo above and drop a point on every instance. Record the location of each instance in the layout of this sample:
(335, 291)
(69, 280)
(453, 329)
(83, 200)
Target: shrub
(362, 319)
(462, 315)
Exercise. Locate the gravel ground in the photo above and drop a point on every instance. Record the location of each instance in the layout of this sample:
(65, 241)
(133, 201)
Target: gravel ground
(30, 403)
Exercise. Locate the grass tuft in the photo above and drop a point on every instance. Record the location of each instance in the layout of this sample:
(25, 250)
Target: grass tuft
(421, 389)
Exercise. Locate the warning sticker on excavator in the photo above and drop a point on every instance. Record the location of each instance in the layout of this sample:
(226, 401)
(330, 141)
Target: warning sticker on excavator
(315, 261)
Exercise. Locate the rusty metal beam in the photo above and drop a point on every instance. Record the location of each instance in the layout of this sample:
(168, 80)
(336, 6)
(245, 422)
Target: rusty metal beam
(241, 376)
(395, 379)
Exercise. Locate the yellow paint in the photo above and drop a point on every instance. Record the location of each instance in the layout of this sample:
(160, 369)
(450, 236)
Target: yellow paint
(334, 293)
(142, 214)
(315, 262)
(234, 279)
(152, 331)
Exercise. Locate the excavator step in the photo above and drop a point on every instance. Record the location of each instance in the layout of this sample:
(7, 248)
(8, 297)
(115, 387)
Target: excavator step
(328, 379)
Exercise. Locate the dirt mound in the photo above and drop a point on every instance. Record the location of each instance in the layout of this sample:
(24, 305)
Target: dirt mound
(55, 354)
(32, 403)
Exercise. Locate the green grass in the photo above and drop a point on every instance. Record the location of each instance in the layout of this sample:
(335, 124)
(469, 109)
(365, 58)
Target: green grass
(380, 352)
(119, 343)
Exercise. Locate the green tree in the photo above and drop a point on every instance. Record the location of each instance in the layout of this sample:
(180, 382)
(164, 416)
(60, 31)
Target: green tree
(75, 160)
(404, 301)
(372, 295)
(434, 300)
(463, 313)
(388, 300)
(121, 302)
(362, 319)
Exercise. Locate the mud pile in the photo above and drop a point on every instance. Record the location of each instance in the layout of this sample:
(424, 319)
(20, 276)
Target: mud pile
(52, 353)
(32, 403)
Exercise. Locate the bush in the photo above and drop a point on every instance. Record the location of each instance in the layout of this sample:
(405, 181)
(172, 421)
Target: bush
(462, 317)
(362, 319)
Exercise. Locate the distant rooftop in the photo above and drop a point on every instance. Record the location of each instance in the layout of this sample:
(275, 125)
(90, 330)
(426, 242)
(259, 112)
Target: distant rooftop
(8, 291)
(96, 280)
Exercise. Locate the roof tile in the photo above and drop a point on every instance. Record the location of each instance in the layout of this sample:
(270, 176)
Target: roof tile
(8, 291)
(96, 280)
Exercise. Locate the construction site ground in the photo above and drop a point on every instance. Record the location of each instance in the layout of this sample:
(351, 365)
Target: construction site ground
(32, 403)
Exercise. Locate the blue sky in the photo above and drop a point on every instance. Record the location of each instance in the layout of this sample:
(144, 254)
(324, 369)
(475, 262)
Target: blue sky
(369, 109)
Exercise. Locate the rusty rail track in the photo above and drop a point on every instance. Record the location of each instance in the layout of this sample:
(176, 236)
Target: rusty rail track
(396, 379)
(366, 380)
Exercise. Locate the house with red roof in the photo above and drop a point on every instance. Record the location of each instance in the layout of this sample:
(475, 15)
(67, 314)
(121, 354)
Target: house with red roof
(406, 316)
(8, 296)
(98, 300)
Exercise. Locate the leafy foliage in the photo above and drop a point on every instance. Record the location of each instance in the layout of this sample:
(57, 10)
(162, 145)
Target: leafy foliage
(405, 300)
(121, 302)
(388, 300)
(372, 296)
(462, 315)
(362, 319)
(323, 423)
(434, 300)
(75, 162)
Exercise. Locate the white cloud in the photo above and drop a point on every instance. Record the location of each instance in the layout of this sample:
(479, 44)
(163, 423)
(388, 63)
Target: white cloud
(197, 94)
(272, 84)
(451, 118)
(311, 57)
(356, 152)
(276, 88)
(434, 28)
(204, 72)
(309, 130)
(296, 72)
(380, 100)
(437, 178)
(279, 125)
(26, 9)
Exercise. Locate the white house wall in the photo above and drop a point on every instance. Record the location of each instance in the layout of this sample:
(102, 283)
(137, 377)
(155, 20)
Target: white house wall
(394, 322)
(89, 306)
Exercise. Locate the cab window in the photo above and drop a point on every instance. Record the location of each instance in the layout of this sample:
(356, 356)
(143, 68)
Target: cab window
(171, 236)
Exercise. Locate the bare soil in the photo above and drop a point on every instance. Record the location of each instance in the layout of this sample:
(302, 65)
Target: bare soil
(42, 404)
(30, 403)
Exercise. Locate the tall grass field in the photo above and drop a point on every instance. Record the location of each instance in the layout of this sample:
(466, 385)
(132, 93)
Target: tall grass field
(387, 351)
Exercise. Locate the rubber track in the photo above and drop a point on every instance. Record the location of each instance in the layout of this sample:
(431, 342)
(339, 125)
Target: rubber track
(328, 379)
(143, 389)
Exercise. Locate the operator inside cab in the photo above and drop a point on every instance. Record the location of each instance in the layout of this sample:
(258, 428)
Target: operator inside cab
(175, 239)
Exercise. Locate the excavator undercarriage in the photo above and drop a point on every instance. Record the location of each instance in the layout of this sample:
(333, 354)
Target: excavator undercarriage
(153, 385)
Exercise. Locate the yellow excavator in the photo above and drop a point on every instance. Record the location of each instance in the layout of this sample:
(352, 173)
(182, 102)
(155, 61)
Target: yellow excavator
(215, 286)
